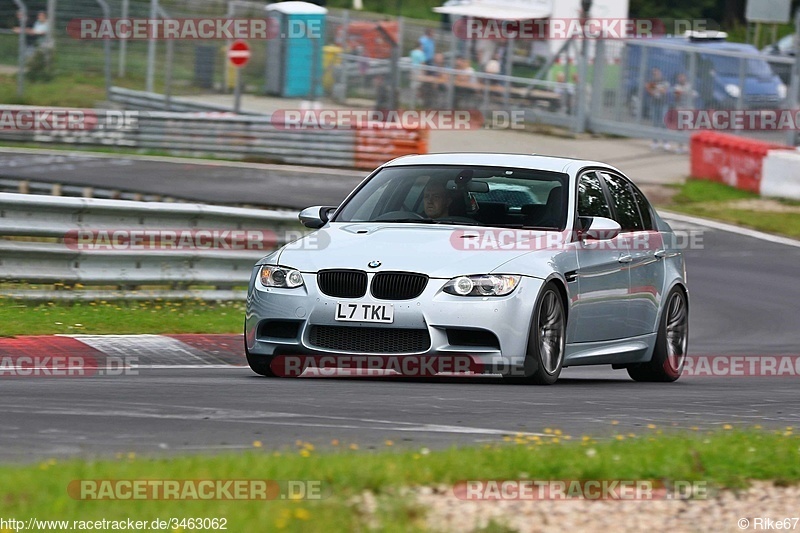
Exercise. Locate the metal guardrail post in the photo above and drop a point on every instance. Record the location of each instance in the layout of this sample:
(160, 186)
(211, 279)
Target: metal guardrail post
(168, 70)
(23, 22)
(794, 86)
(51, 23)
(151, 50)
(106, 48)
(123, 44)
(580, 88)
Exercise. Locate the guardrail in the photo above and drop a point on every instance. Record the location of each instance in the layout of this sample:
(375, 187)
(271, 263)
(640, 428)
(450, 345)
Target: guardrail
(255, 137)
(59, 242)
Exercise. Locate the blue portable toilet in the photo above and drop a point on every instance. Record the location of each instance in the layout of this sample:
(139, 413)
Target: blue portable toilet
(294, 59)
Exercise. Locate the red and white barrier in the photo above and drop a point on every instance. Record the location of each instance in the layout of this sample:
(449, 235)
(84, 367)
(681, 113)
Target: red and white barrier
(756, 166)
(780, 174)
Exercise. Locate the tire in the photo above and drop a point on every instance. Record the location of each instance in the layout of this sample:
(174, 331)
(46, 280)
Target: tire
(669, 354)
(260, 364)
(546, 340)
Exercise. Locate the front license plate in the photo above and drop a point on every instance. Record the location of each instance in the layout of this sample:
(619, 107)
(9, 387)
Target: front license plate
(363, 312)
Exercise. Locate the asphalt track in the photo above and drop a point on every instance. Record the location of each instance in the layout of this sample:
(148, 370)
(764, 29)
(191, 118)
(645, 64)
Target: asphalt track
(744, 300)
(229, 183)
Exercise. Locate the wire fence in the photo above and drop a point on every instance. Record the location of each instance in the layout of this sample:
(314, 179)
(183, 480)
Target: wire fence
(369, 61)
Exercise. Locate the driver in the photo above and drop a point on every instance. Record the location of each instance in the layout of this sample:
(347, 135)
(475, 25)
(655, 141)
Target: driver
(436, 200)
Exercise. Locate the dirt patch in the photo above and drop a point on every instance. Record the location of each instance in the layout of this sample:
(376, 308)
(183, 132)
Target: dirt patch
(721, 512)
(763, 204)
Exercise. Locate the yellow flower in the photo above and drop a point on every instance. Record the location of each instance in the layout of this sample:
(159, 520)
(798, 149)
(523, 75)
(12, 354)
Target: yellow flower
(335, 442)
(727, 426)
(548, 431)
(651, 426)
(256, 444)
(614, 422)
(305, 453)
(354, 446)
(302, 514)
(557, 432)
(389, 443)
(620, 437)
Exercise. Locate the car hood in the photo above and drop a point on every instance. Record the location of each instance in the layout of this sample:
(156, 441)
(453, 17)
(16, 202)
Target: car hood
(440, 251)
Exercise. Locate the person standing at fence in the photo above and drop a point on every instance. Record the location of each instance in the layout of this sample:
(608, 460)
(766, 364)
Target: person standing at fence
(428, 44)
(435, 83)
(417, 57)
(657, 89)
(684, 99)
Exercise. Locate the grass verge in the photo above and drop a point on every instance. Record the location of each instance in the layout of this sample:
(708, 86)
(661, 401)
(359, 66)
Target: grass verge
(710, 199)
(728, 458)
(20, 317)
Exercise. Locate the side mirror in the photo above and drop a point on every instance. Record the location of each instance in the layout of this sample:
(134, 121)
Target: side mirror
(602, 229)
(315, 217)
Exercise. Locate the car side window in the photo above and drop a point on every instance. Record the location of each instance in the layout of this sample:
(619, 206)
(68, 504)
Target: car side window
(591, 199)
(624, 202)
(644, 209)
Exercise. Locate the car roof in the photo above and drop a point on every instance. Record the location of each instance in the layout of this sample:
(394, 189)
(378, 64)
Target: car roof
(710, 43)
(532, 161)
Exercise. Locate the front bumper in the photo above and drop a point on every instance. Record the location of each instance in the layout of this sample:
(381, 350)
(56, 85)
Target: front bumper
(507, 318)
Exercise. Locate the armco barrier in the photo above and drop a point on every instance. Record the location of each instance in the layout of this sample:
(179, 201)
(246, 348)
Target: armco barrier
(728, 159)
(781, 174)
(34, 248)
(237, 137)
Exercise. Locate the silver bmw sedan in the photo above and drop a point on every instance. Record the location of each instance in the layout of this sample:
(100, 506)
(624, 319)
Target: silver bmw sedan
(521, 264)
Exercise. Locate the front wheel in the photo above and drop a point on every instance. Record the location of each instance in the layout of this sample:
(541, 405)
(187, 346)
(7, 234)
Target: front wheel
(546, 340)
(669, 354)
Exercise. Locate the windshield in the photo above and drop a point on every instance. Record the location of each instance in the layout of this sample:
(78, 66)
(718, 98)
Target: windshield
(729, 66)
(471, 195)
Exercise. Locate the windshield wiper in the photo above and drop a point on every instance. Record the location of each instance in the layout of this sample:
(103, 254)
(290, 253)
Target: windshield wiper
(410, 220)
(523, 226)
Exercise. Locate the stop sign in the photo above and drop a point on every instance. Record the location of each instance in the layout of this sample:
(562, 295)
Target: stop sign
(239, 54)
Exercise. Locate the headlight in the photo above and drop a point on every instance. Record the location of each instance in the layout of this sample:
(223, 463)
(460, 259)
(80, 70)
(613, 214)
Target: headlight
(733, 90)
(277, 276)
(782, 92)
(486, 285)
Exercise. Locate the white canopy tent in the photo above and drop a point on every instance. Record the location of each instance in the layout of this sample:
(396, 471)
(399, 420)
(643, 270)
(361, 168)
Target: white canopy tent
(498, 9)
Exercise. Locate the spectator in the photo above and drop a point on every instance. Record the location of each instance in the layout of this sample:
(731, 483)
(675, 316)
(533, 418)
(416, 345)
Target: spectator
(493, 66)
(428, 45)
(565, 92)
(657, 88)
(34, 34)
(432, 89)
(465, 81)
(417, 57)
(684, 99)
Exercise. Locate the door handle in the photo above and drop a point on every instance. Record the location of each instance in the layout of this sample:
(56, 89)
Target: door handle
(627, 258)
(659, 254)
